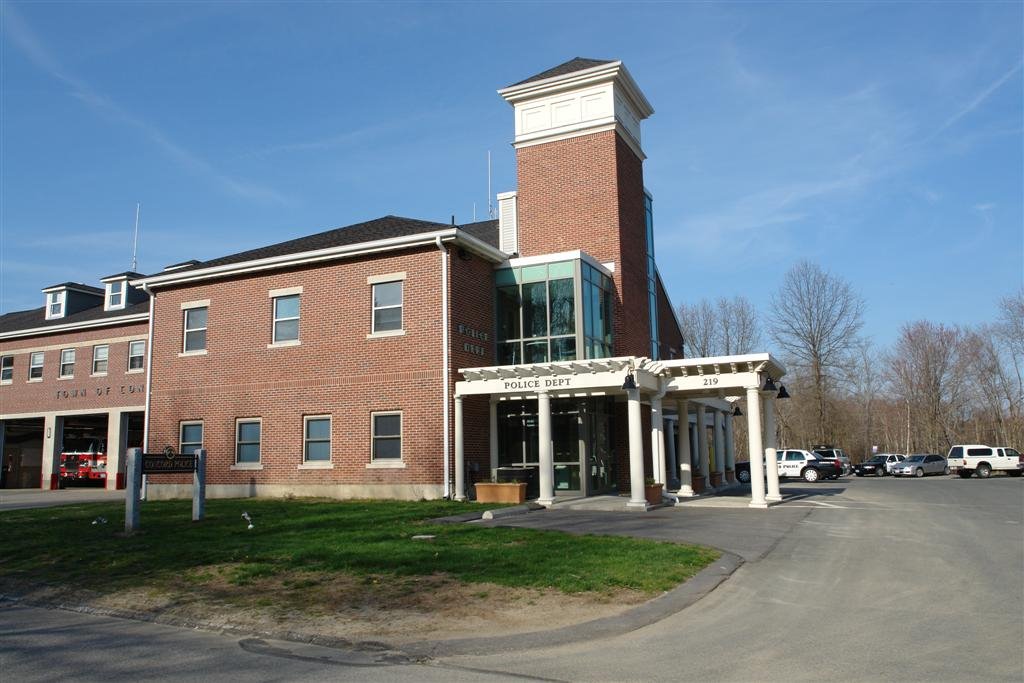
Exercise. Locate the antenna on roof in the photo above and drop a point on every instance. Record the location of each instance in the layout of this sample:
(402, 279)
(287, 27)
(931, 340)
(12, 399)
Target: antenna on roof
(135, 242)
(490, 206)
(474, 212)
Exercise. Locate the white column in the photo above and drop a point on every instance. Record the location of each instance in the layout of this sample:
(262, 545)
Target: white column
(730, 446)
(547, 467)
(115, 450)
(493, 434)
(50, 475)
(702, 446)
(657, 442)
(757, 499)
(683, 450)
(672, 465)
(719, 447)
(460, 454)
(636, 451)
(770, 441)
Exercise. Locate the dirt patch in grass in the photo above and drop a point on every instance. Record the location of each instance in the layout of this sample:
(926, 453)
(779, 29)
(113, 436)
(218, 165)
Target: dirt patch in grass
(395, 610)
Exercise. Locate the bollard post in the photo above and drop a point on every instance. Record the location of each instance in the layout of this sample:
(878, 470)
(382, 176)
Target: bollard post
(199, 486)
(131, 499)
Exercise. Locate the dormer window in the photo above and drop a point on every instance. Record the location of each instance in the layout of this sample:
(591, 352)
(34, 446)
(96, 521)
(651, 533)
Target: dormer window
(55, 304)
(115, 295)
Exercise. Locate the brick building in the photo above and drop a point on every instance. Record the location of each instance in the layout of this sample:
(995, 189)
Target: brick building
(409, 359)
(74, 381)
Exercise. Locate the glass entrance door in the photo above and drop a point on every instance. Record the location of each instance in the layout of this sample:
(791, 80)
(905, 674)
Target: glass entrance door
(581, 442)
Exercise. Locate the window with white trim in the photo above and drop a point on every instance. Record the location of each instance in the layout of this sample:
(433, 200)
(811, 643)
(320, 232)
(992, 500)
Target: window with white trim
(55, 304)
(247, 441)
(6, 369)
(35, 365)
(100, 356)
(67, 363)
(115, 295)
(195, 329)
(386, 435)
(190, 436)
(316, 440)
(286, 319)
(387, 306)
(136, 355)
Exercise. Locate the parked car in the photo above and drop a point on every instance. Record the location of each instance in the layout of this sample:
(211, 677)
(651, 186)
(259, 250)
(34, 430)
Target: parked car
(873, 467)
(878, 465)
(920, 465)
(829, 451)
(966, 460)
(834, 460)
(893, 459)
(742, 470)
(806, 465)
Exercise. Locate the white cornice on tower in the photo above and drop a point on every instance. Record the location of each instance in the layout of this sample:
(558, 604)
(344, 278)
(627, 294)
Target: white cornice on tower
(599, 98)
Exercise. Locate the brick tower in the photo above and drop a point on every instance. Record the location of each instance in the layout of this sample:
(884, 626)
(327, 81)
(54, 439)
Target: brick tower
(580, 179)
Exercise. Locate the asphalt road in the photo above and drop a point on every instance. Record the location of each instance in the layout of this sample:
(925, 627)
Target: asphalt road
(877, 579)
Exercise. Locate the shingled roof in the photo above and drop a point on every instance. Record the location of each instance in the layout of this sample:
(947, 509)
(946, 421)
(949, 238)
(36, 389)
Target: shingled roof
(387, 227)
(574, 64)
(36, 318)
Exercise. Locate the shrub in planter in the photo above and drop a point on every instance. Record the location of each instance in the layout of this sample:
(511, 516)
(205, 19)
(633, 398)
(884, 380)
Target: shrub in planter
(652, 492)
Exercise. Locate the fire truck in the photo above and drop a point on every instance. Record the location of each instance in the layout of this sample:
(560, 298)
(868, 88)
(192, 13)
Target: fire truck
(83, 461)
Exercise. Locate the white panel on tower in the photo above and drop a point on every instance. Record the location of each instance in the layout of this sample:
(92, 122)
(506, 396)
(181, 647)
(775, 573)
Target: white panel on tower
(508, 223)
(565, 112)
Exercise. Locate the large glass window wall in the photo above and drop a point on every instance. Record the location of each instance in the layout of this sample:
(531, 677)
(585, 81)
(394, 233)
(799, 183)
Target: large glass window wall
(652, 275)
(536, 313)
(548, 312)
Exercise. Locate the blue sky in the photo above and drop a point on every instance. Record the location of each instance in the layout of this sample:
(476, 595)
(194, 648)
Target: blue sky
(880, 140)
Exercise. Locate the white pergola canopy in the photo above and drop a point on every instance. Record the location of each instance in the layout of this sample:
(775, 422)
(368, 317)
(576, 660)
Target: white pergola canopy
(708, 382)
(715, 377)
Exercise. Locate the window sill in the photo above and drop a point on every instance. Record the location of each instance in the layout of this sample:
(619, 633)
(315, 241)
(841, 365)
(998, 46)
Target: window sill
(385, 465)
(192, 353)
(283, 344)
(387, 333)
(98, 374)
(6, 381)
(64, 379)
(34, 379)
(247, 466)
(135, 372)
(316, 465)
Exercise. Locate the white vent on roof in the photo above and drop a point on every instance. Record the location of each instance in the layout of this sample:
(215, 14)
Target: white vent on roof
(508, 223)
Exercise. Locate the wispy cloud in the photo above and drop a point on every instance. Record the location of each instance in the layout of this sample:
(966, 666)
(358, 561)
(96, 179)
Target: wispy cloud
(980, 98)
(746, 218)
(26, 40)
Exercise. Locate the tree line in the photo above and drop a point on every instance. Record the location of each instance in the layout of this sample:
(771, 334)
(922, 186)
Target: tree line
(936, 385)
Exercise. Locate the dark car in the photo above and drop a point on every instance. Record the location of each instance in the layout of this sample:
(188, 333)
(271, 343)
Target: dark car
(874, 467)
(743, 471)
(833, 460)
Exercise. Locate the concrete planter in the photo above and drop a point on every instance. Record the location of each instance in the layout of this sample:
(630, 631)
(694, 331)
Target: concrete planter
(716, 479)
(505, 492)
(652, 492)
(697, 483)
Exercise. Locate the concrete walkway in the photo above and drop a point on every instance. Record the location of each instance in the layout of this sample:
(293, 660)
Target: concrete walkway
(21, 499)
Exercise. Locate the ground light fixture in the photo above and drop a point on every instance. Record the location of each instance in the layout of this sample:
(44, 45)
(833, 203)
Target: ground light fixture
(782, 392)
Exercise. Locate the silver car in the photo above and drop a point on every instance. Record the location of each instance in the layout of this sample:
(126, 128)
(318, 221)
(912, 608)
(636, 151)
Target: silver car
(920, 465)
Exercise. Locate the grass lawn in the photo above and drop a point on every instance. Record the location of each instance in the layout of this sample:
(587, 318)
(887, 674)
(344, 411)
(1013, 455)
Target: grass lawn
(357, 538)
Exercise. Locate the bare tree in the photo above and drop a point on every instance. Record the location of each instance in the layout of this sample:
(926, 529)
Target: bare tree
(700, 323)
(739, 331)
(815, 319)
(927, 371)
(729, 326)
